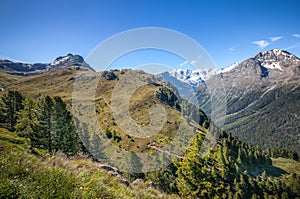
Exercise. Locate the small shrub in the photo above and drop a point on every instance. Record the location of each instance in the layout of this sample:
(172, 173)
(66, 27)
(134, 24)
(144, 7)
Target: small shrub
(108, 133)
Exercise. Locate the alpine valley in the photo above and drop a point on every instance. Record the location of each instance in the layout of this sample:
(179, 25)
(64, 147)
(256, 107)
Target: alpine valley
(262, 97)
(42, 156)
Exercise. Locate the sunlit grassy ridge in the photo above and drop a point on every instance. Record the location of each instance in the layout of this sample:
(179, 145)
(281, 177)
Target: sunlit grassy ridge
(140, 102)
(61, 83)
(58, 82)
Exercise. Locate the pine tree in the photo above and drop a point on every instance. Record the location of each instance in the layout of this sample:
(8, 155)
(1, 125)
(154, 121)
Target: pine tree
(27, 122)
(65, 137)
(163, 178)
(49, 126)
(194, 177)
(46, 122)
(10, 104)
(190, 173)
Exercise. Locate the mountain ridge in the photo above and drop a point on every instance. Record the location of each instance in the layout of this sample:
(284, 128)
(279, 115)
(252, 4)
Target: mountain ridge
(273, 59)
(25, 69)
(262, 99)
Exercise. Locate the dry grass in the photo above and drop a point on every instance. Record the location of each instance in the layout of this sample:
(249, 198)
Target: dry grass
(61, 82)
(7, 79)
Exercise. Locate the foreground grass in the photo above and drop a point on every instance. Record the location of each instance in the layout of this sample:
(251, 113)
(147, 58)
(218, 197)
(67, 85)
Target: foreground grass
(26, 176)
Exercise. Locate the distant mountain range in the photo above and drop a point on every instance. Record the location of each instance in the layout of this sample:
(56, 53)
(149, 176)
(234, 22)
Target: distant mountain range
(18, 68)
(195, 77)
(269, 60)
(262, 94)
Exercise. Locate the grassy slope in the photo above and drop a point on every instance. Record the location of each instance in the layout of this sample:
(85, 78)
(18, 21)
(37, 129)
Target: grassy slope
(23, 174)
(60, 83)
(7, 79)
(139, 104)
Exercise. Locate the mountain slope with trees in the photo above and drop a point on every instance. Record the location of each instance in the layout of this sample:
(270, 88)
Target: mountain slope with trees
(262, 96)
(230, 169)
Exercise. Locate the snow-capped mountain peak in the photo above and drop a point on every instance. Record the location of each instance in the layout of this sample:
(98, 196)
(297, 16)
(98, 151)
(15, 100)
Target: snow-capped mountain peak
(67, 60)
(229, 68)
(60, 60)
(38, 68)
(193, 77)
(276, 59)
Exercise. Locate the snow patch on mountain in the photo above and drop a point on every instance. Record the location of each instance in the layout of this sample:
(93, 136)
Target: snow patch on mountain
(275, 59)
(193, 77)
(274, 65)
(60, 60)
(196, 77)
(229, 68)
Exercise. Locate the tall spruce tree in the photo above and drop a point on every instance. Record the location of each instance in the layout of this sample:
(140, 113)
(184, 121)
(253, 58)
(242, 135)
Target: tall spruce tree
(192, 178)
(10, 104)
(45, 116)
(27, 122)
(49, 125)
(66, 138)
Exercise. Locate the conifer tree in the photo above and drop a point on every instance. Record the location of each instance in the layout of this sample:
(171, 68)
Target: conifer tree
(65, 137)
(194, 178)
(10, 104)
(27, 122)
(46, 122)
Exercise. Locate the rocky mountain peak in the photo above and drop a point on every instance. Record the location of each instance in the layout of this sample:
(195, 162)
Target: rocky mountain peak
(277, 59)
(70, 60)
(19, 68)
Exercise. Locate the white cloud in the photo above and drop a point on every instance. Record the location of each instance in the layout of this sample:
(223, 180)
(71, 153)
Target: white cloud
(261, 43)
(184, 63)
(231, 49)
(296, 45)
(273, 39)
(296, 35)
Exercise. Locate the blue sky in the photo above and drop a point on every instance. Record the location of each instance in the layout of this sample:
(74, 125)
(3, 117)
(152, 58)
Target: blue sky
(230, 31)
